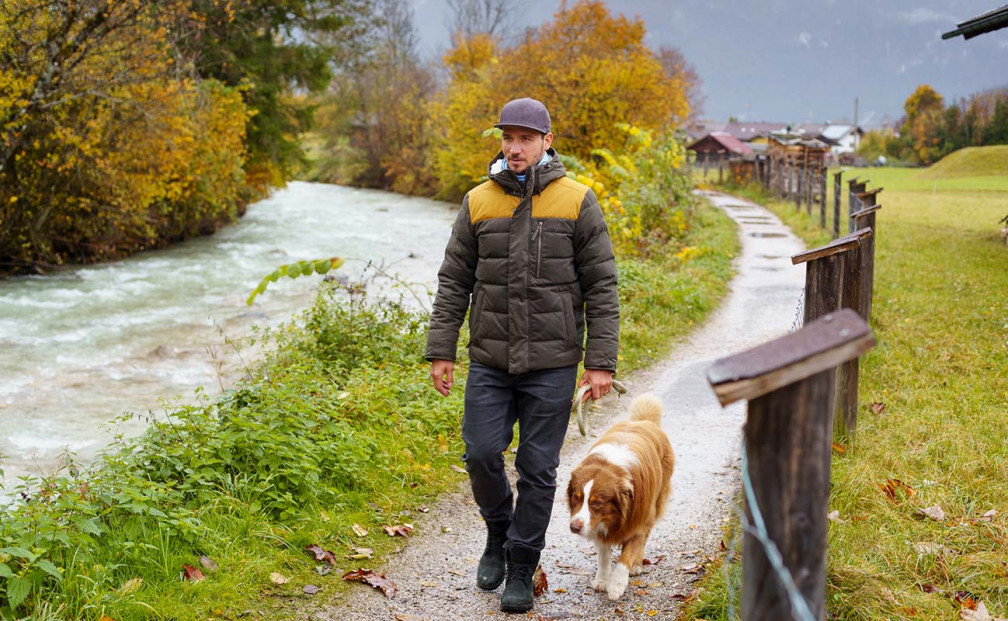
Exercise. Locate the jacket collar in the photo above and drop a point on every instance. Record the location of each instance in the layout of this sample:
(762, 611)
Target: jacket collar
(536, 179)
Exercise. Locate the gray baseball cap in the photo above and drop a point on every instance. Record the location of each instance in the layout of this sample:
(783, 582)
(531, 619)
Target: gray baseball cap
(525, 112)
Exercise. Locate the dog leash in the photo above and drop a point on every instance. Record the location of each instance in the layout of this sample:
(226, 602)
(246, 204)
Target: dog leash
(577, 407)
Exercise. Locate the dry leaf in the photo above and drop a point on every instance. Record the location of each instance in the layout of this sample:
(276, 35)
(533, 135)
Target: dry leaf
(311, 589)
(927, 587)
(935, 512)
(657, 559)
(429, 583)
(359, 530)
(105, 618)
(207, 563)
(696, 568)
(321, 554)
(278, 578)
(966, 599)
(377, 581)
(839, 448)
(457, 469)
(539, 583)
(977, 614)
(361, 553)
(877, 407)
(834, 516)
(894, 488)
(559, 590)
(130, 585)
(402, 530)
(924, 548)
(651, 613)
(192, 574)
(401, 616)
(989, 515)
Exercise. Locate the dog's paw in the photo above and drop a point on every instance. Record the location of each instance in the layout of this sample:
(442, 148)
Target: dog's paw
(618, 582)
(600, 581)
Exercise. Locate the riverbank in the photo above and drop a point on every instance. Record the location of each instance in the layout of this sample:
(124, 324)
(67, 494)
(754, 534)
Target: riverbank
(136, 338)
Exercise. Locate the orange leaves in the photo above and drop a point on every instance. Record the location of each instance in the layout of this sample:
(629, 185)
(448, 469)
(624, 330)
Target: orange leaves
(539, 583)
(376, 580)
(897, 490)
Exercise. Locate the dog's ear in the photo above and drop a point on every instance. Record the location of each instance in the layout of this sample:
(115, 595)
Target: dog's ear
(624, 499)
(570, 492)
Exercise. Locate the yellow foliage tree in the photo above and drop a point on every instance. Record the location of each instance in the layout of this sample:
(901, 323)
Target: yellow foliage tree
(590, 68)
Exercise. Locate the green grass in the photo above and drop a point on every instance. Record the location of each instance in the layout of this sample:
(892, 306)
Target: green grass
(940, 368)
(971, 162)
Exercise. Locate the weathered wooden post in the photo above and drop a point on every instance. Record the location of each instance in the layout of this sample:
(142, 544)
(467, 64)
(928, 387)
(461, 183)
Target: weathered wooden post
(855, 187)
(865, 199)
(789, 383)
(822, 197)
(799, 172)
(837, 191)
(865, 219)
(833, 281)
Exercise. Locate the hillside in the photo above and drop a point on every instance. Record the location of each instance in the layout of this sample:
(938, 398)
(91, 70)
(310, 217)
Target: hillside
(969, 162)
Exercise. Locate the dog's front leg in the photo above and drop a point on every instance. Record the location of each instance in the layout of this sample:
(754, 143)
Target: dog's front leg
(603, 552)
(633, 548)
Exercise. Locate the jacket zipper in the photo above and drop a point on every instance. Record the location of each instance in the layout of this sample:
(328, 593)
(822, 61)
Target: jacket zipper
(537, 238)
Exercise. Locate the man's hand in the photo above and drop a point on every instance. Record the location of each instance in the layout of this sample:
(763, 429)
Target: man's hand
(442, 372)
(600, 382)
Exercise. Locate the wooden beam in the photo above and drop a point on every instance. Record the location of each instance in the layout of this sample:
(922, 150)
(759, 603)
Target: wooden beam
(866, 211)
(818, 346)
(837, 246)
(868, 193)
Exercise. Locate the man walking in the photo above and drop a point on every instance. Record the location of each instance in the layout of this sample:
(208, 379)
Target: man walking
(530, 258)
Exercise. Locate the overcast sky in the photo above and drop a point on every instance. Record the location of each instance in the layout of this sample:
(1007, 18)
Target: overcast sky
(801, 60)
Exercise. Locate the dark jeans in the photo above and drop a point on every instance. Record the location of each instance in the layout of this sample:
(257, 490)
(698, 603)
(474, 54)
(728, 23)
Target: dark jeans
(540, 401)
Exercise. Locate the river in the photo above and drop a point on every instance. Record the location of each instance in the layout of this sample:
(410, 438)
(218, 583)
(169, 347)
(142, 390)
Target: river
(82, 347)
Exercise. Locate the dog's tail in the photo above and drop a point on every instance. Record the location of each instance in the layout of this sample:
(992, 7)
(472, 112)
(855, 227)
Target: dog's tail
(646, 407)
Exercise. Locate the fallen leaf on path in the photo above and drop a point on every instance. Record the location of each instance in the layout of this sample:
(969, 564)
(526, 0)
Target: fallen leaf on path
(539, 583)
(457, 469)
(877, 407)
(323, 570)
(696, 568)
(376, 580)
(402, 530)
(278, 578)
(207, 563)
(935, 512)
(359, 530)
(656, 560)
(457, 572)
(321, 554)
(192, 574)
(400, 616)
(428, 583)
(311, 589)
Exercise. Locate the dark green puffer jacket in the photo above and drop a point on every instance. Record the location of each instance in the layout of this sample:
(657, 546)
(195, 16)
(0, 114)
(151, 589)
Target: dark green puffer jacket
(533, 264)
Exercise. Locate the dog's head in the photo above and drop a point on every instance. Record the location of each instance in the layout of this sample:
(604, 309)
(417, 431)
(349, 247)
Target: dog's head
(599, 499)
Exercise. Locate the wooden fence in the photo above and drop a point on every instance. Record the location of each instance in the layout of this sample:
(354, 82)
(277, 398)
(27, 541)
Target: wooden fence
(803, 396)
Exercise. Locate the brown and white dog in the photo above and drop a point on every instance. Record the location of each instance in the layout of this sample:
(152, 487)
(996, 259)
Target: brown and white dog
(618, 492)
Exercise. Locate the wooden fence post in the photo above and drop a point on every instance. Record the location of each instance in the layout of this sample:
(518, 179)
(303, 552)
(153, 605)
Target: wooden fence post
(799, 173)
(789, 383)
(837, 191)
(865, 219)
(853, 202)
(833, 281)
(822, 197)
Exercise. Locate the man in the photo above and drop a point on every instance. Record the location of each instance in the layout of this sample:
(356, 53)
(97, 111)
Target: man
(530, 258)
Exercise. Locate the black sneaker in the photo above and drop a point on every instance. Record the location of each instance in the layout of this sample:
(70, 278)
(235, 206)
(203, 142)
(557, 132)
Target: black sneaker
(518, 592)
(491, 569)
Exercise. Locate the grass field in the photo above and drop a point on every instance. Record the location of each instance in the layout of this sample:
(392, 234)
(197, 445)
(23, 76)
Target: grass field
(939, 379)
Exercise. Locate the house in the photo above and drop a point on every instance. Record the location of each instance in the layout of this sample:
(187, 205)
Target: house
(717, 145)
(841, 138)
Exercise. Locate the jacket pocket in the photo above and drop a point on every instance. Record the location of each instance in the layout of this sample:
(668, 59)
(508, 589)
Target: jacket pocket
(479, 300)
(568, 315)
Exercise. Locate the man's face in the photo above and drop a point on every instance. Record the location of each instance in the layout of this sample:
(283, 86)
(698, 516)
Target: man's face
(523, 147)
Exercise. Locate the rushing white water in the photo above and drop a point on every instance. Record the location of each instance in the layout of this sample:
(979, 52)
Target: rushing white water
(83, 346)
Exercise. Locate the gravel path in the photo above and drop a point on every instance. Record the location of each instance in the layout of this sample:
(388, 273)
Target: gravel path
(435, 572)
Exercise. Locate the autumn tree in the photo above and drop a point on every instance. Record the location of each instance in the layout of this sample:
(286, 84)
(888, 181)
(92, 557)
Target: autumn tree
(108, 146)
(924, 108)
(592, 69)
